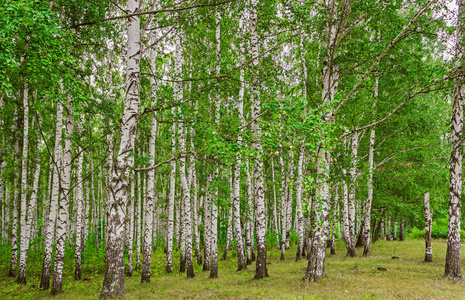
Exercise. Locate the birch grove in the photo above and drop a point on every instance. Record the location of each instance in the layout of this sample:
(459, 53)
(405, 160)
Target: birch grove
(139, 138)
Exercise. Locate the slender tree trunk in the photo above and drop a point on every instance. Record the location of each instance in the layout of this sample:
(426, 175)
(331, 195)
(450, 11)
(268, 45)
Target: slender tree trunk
(249, 226)
(388, 229)
(14, 226)
(394, 237)
(195, 213)
(149, 228)
(207, 225)
(149, 202)
(241, 263)
(290, 186)
(351, 215)
(315, 268)
(214, 206)
(214, 234)
(345, 213)
(299, 208)
(428, 221)
(452, 267)
(169, 256)
(79, 216)
(130, 226)
(333, 228)
(140, 195)
(63, 216)
(45, 280)
(229, 227)
(24, 244)
(275, 215)
(94, 202)
(113, 283)
(261, 269)
(401, 230)
(367, 213)
(284, 206)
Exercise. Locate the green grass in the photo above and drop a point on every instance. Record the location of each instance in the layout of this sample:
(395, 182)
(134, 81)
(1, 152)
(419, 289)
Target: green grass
(347, 278)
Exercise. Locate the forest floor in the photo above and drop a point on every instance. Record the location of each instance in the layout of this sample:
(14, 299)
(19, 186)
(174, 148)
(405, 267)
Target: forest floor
(407, 277)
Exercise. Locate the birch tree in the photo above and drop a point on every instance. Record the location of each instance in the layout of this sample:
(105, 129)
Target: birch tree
(113, 283)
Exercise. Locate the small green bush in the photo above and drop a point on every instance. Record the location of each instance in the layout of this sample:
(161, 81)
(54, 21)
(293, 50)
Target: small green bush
(439, 230)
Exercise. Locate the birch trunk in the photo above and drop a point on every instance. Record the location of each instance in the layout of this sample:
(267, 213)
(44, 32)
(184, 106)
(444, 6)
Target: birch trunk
(333, 238)
(315, 268)
(169, 255)
(345, 211)
(249, 232)
(299, 214)
(401, 230)
(428, 221)
(351, 215)
(63, 216)
(207, 225)
(45, 279)
(241, 263)
(229, 225)
(214, 206)
(275, 215)
(149, 227)
(130, 227)
(113, 283)
(290, 189)
(214, 234)
(284, 232)
(138, 222)
(4, 202)
(367, 212)
(186, 201)
(79, 216)
(24, 244)
(261, 269)
(195, 213)
(94, 202)
(452, 266)
(14, 226)
(394, 237)
(388, 229)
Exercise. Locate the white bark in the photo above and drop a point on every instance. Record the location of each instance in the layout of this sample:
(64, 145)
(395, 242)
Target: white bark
(299, 207)
(241, 263)
(207, 225)
(367, 213)
(169, 255)
(351, 215)
(130, 226)
(24, 244)
(315, 268)
(149, 205)
(63, 215)
(186, 201)
(261, 269)
(45, 280)
(284, 206)
(248, 224)
(428, 221)
(290, 187)
(113, 283)
(79, 218)
(452, 266)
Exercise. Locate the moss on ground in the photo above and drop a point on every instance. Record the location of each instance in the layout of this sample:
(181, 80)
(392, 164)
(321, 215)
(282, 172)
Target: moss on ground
(407, 277)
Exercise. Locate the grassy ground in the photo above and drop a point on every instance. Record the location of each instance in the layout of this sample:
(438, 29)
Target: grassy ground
(347, 278)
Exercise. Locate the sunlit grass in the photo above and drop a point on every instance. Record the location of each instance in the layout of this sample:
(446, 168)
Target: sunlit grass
(346, 278)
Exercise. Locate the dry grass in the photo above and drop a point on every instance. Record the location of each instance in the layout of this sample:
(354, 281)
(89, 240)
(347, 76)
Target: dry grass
(347, 278)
